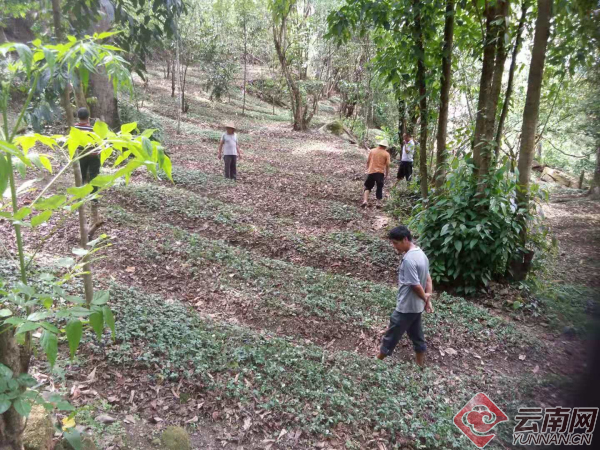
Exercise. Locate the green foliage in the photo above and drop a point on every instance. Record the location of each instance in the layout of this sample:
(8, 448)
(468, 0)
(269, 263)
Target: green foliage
(270, 90)
(470, 239)
(129, 113)
(303, 385)
(143, 22)
(31, 315)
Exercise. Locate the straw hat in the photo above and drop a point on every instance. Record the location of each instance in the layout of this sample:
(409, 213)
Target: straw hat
(383, 143)
(230, 125)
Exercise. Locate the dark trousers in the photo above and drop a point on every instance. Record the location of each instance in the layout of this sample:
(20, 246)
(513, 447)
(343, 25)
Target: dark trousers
(230, 166)
(373, 178)
(90, 168)
(399, 324)
(405, 170)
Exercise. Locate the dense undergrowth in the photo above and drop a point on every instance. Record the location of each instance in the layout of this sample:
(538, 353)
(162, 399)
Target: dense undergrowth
(321, 392)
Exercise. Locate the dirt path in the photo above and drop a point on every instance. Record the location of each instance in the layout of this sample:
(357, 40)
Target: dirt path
(575, 222)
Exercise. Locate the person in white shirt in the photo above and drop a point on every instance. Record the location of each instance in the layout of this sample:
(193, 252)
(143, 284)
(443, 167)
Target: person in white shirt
(405, 168)
(229, 149)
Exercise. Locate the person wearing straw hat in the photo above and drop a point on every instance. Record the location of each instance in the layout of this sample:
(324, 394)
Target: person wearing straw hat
(229, 149)
(378, 167)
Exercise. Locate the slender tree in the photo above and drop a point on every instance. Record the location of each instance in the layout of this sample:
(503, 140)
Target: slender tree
(422, 88)
(88, 283)
(446, 83)
(511, 77)
(489, 119)
(532, 102)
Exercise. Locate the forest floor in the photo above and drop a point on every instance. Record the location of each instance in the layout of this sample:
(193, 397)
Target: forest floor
(250, 311)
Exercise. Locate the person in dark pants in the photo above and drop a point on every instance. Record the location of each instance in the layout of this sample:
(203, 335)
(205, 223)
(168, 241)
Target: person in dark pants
(405, 168)
(229, 149)
(414, 296)
(89, 163)
(378, 167)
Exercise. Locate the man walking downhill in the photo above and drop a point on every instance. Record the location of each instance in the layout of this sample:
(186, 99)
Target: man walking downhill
(405, 167)
(229, 149)
(414, 296)
(378, 167)
(89, 164)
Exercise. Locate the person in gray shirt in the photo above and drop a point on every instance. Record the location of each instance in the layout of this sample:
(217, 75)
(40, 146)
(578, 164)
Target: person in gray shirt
(229, 149)
(414, 296)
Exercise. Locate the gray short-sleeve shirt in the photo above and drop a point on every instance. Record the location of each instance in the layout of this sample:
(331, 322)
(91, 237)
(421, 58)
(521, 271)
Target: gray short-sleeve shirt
(229, 144)
(413, 270)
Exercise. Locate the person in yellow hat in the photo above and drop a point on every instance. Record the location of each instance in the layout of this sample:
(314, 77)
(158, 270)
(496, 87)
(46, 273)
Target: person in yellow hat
(378, 167)
(229, 149)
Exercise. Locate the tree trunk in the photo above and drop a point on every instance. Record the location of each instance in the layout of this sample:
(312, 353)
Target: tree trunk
(422, 102)
(178, 66)
(532, 103)
(88, 284)
(106, 107)
(485, 83)
(173, 78)
(595, 187)
(295, 95)
(511, 76)
(401, 120)
(245, 67)
(446, 83)
(489, 120)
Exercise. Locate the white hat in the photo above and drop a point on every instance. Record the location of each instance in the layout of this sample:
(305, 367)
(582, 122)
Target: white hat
(383, 143)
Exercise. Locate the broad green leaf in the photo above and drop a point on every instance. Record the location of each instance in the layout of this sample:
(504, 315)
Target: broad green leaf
(53, 202)
(148, 132)
(65, 262)
(5, 371)
(5, 312)
(100, 298)
(105, 154)
(109, 318)
(97, 323)
(25, 55)
(166, 166)
(22, 406)
(45, 161)
(101, 129)
(81, 191)
(49, 343)
(79, 251)
(41, 218)
(73, 437)
(4, 173)
(128, 127)
(38, 315)
(22, 213)
(78, 138)
(105, 35)
(48, 326)
(102, 180)
(4, 404)
(26, 380)
(458, 245)
(26, 327)
(79, 311)
(74, 332)
(75, 299)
